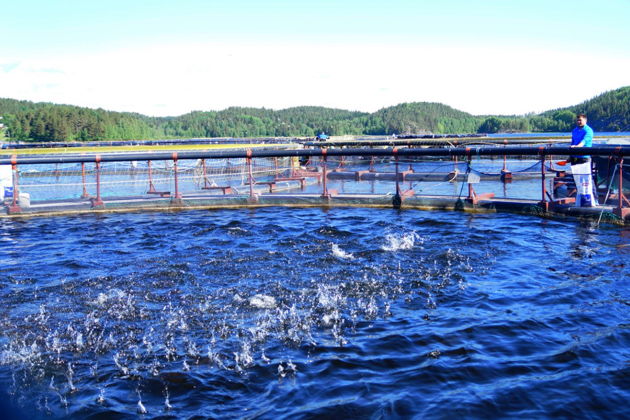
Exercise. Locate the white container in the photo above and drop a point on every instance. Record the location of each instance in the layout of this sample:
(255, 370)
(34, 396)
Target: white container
(584, 184)
(24, 200)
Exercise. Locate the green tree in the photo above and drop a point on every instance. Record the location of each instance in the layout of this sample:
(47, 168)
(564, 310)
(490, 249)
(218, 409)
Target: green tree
(490, 125)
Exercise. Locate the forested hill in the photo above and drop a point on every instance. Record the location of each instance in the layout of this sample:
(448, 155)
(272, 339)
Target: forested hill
(48, 122)
(25, 120)
(609, 111)
(44, 121)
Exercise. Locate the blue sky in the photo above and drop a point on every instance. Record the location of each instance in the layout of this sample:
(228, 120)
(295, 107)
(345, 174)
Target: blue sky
(172, 57)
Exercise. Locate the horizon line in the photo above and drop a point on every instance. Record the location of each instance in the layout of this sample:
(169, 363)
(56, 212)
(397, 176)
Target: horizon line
(315, 106)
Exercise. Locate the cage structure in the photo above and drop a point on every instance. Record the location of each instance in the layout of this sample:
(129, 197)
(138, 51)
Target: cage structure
(478, 178)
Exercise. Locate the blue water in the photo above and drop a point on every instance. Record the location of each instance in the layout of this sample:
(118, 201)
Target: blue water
(303, 313)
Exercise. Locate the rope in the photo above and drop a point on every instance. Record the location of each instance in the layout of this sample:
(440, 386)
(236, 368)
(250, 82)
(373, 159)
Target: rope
(608, 192)
(468, 168)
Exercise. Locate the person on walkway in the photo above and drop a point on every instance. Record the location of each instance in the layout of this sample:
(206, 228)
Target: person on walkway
(582, 136)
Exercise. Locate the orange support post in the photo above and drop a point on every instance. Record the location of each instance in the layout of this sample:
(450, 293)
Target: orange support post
(98, 202)
(15, 207)
(177, 195)
(85, 193)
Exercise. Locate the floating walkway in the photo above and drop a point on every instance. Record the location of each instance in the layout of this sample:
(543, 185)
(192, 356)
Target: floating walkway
(296, 199)
(278, 185)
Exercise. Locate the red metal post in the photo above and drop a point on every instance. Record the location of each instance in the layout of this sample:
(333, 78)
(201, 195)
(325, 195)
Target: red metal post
(472, 195)
(506, 175)
(253, 198)
(205, 174)
(250, 175)
(15, 207)
(85, 193)
(455, 160)
(151, 186)
(397, 172)
(620, 184)
(98, 202)
(544, 203)
(177, 196)
(324, 174)
(620, 211)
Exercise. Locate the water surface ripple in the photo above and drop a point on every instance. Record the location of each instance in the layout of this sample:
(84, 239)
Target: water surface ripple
(302, 313)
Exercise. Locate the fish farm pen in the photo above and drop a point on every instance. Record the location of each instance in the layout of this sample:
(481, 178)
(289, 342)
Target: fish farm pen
(389, 278)
(475, 178)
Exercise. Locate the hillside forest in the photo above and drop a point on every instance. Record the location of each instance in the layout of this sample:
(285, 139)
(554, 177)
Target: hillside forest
(29, 121)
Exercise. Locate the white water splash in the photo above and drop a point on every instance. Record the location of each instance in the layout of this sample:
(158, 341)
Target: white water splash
(79, 340)
(400, 241)
(141, 408)
(24, 354)
(101, 397)
(167, 401)
(262, 302)
(102, 298)
(330, 296)
(289, 369)
(340, 253)
(69, 376)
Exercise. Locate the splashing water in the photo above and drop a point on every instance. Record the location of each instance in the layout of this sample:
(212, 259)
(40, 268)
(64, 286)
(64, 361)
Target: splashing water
(400, 241)
(340, 253)
(214, 327)
(262, 302)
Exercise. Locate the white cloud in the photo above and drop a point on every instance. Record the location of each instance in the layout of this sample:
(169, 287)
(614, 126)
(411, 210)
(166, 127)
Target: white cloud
(175, 79)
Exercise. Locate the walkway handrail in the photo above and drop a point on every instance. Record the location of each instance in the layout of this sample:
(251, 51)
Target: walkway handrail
(539, 151)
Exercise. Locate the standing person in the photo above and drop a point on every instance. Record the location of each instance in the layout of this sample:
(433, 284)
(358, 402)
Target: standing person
(582, 136)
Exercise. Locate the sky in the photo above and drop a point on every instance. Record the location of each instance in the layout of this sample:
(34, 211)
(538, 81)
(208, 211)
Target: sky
(168, 58)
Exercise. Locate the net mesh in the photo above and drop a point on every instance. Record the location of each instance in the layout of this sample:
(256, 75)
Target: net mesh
(143, 178)
(137, 178)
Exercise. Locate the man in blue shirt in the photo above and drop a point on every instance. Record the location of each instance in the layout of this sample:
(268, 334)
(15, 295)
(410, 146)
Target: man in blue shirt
(582, 136)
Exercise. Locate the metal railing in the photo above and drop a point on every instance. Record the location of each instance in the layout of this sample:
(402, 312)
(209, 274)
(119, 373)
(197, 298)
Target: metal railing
(542, 153)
